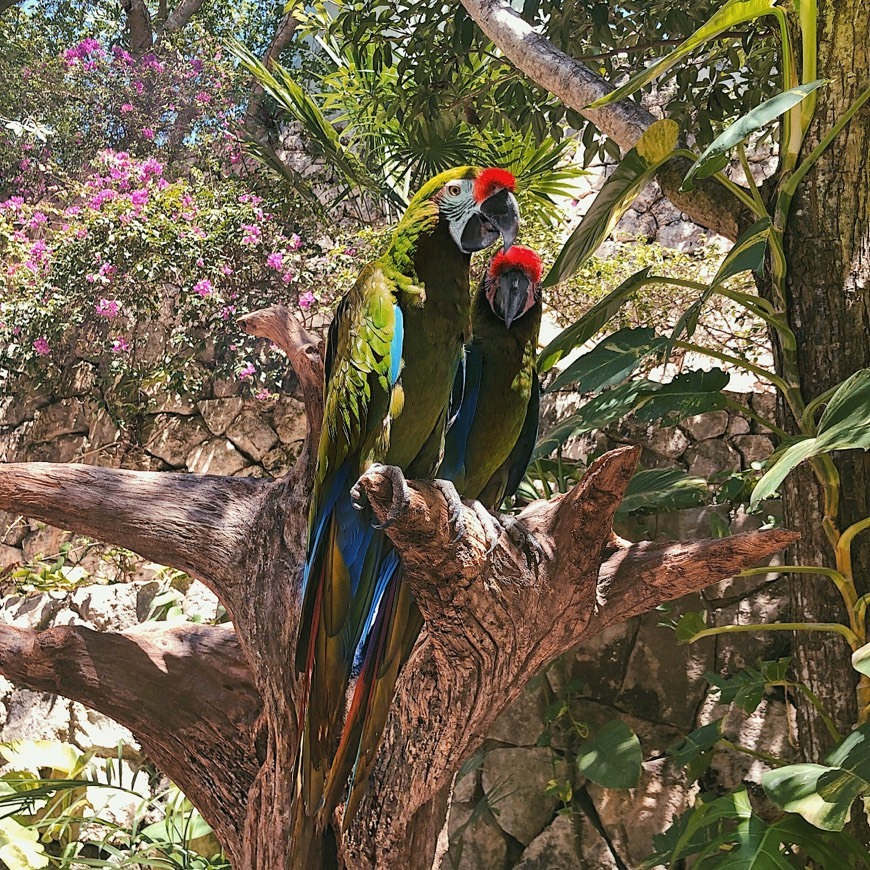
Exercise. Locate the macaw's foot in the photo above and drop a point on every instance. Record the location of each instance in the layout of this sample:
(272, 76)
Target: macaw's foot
(491, 527)
(523, 538)
(401, 493)
(454, 508)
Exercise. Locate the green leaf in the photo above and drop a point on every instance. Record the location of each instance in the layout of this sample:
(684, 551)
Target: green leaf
(758, 848)
(689, 625)
(845, 425)
(732, 13)
(746, 255)
(861, 660)
(634, 172)
(695, 392)
(19, 846)
(710, 161)
(610, 362)
(612, 757)
(662, 489)
(604, 409)
(695, 750)
(592, 322)
(824, 793)
(746, 687)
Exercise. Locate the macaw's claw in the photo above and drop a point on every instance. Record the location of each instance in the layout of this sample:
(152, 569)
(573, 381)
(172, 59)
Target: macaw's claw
(401, 493)
(454, 508)
(523, 538)
(491, 528)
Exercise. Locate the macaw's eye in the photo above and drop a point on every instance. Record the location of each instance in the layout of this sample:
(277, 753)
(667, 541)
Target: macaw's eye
(454, 188)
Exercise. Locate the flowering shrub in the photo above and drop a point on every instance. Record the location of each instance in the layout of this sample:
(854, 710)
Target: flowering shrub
(134, 248)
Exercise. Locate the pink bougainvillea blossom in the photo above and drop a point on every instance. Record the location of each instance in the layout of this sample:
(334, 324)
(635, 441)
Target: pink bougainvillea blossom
(147, 133)
(126, 107)
(203, 287)
(227, 312)
(287, 277)
(140, 197)
(306, 300)
(203, 97)
(295, 242)
(41, 346)
(247, 372)
(196, 64)
(151, 168)
(14, 203)
(37, 220)
(200, 262)
(138, 87)
(251, 234)
(227, 269)
(107, 308)
(120, 344)
(275, 260)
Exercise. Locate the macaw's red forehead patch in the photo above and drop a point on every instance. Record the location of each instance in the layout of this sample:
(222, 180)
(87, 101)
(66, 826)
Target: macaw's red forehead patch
(517, 257)
(491, 181)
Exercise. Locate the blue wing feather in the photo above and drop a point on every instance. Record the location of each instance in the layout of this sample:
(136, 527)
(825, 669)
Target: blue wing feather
(467, 387)
(521, 455)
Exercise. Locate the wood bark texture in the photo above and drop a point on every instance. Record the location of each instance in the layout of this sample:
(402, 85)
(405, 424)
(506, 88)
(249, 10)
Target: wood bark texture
(215, 706)
(828, 249)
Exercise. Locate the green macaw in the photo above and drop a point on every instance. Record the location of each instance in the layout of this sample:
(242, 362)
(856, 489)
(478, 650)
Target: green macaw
(393, 351)
(491, 438)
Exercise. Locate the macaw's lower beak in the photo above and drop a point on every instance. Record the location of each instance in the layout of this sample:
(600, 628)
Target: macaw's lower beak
(497, 216)
(511, 296)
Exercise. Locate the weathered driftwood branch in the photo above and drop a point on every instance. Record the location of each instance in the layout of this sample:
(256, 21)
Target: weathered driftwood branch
(577, 86)
(186, 692)
(198, 524)
(492, 621)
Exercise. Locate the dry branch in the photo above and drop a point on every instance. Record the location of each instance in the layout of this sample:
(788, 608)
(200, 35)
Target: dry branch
(493, 620)
(577, 86)
(185, 692)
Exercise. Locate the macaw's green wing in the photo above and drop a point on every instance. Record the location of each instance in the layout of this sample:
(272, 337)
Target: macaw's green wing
(346, 555)
(509, 475)
(521, 455)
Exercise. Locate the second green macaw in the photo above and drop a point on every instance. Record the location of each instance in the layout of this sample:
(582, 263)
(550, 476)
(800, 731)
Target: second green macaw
(393, 351)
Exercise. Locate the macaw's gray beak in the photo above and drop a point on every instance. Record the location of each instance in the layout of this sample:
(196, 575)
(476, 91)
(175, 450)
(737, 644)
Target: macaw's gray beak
(501, 210)
(497, 216)
(511, 296)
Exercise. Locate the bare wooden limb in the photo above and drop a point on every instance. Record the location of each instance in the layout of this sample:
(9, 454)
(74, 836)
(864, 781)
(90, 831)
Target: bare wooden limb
(185, 691)
(577, 86)
(280, 327)
(492, 621)
(179, 16)
(140, 33)
(196, 523)
(280, 40)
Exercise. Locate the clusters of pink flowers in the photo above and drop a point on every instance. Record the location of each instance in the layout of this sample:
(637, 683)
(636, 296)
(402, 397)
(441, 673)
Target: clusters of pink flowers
(306, 300)
(84, 53)
(120, 345)
(247, 372)
(41, 346)
(108, 308)
(251, 235)
(203, 287)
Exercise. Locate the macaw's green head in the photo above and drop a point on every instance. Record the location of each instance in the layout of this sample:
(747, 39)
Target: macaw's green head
(478, 205)
(512, 283)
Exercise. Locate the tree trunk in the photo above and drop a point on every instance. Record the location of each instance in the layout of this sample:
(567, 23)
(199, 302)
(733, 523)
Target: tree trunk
(215, 706)
(828, 251)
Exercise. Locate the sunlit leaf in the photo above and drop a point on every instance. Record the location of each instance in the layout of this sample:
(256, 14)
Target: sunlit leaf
(662, 489)
(732, 13)
(592, 322)
(634, 172)
(710, 162)
(844, 425)
(612, 757)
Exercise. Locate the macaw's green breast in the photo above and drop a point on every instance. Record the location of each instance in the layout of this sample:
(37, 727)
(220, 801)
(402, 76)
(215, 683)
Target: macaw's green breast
(434, 335)
(508, 364)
